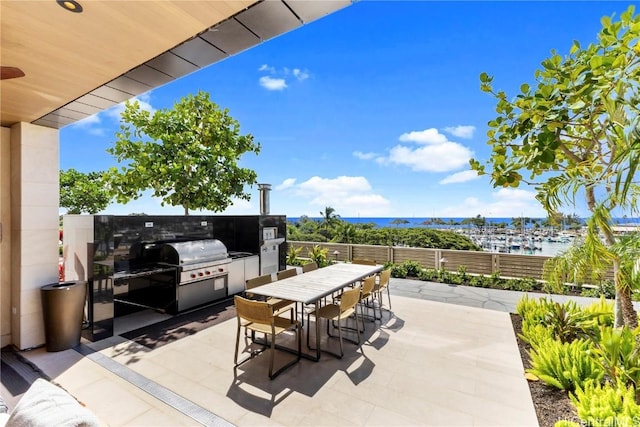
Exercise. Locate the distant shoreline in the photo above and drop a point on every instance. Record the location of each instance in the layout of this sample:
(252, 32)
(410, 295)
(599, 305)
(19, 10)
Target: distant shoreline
(449, 221)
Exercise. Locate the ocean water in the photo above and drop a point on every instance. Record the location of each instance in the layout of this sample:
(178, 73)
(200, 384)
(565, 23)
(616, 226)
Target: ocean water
(419, 221)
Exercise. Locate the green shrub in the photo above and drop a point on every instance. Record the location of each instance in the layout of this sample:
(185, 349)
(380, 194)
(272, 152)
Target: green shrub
(496, 280)
(565, 365)
(554, 288)
(533, 309)
(617, 354)
(319, 255)
(535, 333)
(292, 255)
(412, 268)
(603, 310)
(606, 289)
(398, 271)
(462, 272)
(428, 274)
(569, 322)
(606, 405)
(480, 281)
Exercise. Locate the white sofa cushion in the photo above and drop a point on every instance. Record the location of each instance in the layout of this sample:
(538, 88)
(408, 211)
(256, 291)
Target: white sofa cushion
(45, 405)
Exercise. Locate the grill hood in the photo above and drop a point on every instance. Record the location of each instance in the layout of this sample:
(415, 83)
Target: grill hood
(193, 252)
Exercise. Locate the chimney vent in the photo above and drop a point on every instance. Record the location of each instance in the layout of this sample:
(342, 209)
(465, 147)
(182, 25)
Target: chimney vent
(264, 198)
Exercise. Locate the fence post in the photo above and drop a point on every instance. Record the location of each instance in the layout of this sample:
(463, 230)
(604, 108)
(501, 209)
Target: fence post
(495, 263)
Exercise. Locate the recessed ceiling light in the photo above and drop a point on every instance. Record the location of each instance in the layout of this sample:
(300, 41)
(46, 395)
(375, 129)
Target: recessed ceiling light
(70, 5)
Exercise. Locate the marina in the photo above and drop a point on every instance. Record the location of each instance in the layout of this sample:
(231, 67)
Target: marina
(534, 243)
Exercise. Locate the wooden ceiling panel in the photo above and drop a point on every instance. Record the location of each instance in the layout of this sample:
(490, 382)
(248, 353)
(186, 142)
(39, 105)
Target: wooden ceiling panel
(66, 55)
(115, 49)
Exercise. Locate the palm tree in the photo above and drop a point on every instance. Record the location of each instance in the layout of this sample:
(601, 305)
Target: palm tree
(329, 218)
(345, 233)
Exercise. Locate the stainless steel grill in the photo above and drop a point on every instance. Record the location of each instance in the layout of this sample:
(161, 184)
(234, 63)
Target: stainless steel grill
(196, 259)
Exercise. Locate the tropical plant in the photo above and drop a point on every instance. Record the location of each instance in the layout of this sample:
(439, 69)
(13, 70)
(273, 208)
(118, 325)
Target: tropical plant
(564, 365)
(603, 311)
(576, 132)
(293, 255)
(345, 233)
(618, 355)
(535, 334)
(413, 268)
(319, 255)
(83, 192)
(187, 156)
(533, 309)
(606, 405)
(606, 288)
(568, 322)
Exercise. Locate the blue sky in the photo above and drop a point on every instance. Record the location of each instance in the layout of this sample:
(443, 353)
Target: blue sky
(373, 110)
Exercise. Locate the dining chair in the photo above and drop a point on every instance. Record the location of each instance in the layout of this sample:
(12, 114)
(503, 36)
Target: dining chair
(365, 300)
(366, 297)
(381, 285)
(363, 261)
(283, 274)
(335, 313)
(258, 316)
(279, 305)
(309, 267)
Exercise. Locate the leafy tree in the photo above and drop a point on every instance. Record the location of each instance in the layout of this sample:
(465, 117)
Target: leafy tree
(478, 221)
(576, 131)
(188, 155)
(345, 233)
(80, 192)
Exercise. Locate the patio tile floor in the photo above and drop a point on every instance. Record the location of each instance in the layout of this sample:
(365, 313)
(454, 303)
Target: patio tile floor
(429, 363)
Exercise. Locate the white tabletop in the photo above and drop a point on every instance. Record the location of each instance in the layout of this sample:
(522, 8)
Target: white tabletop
(314, 285)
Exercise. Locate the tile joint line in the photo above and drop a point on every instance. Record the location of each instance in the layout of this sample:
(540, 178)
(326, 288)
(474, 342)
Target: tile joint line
(187, 407)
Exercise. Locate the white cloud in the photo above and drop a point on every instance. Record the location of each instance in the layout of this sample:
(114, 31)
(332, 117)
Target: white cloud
(268, 68)
(278, 77)
(91, 125)
(144, 100)
(427, 136)
(435, 153)
(270, 83)
(459, 177)
(349, 195)
(364, 156)
(300, 74)
(443, 157)
(239, 207)
(504, 203)
(287, 183)
(461, 131)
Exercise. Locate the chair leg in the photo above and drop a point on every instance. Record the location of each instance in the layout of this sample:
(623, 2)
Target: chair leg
(272, 355)
(389, 296)
(340, 336)
(309, 329)
(235, 357)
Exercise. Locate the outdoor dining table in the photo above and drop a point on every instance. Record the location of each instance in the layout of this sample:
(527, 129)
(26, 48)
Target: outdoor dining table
(313, 286)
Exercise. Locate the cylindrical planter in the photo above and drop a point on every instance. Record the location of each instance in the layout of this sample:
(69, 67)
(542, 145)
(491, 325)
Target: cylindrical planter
(63, 308)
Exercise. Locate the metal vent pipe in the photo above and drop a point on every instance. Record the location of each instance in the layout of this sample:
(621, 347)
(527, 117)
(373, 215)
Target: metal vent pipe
(264, 198)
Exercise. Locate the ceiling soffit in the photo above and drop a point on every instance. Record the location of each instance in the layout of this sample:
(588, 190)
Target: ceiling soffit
(249, 27)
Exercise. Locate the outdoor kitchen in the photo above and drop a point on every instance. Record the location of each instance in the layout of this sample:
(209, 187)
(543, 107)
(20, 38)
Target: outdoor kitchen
(167, 264)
